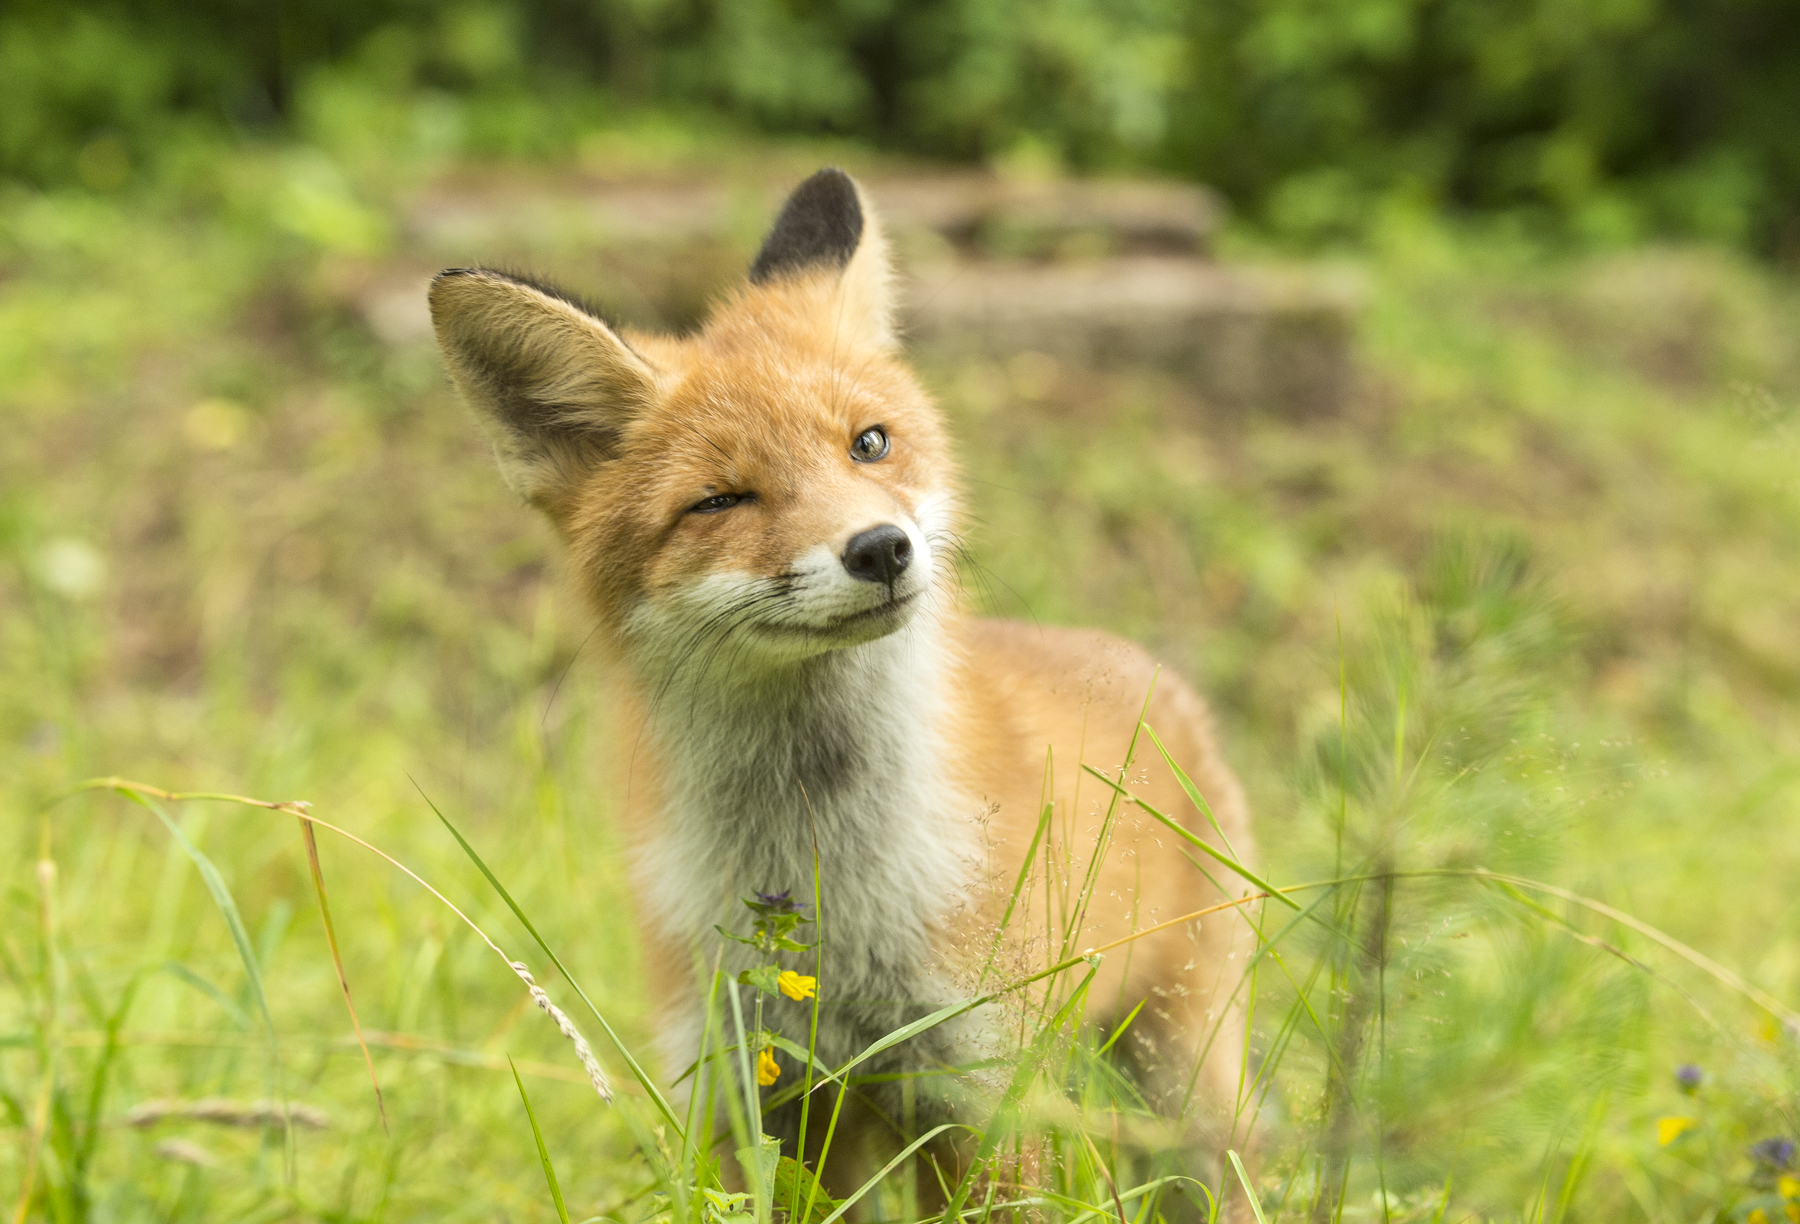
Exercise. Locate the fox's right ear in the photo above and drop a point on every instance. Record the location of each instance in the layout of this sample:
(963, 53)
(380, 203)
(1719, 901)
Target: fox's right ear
(555, 385)
(828, 228)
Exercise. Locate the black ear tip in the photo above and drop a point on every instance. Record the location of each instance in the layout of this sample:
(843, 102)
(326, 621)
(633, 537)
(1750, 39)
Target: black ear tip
(821, 223)
(831, 179)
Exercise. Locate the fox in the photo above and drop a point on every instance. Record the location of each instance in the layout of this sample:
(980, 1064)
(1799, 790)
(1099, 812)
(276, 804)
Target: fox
(764, 517)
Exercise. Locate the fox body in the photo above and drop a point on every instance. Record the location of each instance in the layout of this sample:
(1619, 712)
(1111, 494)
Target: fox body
(764, 518)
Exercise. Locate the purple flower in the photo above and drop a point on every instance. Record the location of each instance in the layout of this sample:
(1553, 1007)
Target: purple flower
(1688, 1077)
(1774, 1151)
(771, 905)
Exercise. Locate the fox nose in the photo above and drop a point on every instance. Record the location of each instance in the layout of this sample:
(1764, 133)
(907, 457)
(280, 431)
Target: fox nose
(880, 554)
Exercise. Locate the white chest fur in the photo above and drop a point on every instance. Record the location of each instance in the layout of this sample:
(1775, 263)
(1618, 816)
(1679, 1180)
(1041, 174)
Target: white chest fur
(844, 752)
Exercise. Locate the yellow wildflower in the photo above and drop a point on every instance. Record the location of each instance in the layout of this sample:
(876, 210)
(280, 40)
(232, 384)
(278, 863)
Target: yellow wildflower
(1788, 1186)
(1793, 1212)
(1669, 1129)
(767, 1072)
(1757, 1216)
(797, 986)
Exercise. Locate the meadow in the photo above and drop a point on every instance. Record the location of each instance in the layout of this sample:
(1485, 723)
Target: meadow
(1505, 652)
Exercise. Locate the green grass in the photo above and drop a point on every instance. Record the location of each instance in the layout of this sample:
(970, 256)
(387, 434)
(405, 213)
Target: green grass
(1525, 611)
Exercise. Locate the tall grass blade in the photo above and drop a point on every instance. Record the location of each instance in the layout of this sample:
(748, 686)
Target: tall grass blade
(40, 1130)
(905, 1033)
(225, 1002)
(1012, 900)
(1578, 1164)
(1083, 1212)
(1119, 1031)
(41, 1144)
(1727, 977)
(1029, 1062)
(1437, 1217)
(234, 922)
(1249, 1191)
(1198, 842)
(337, 962)
(889, 1167)
(1103, 839)
(109, 1053)
(596, 1076)
(804, 1214)
(1193, 792)
(952, 1010)
(562, 1210)
(1099, 1166)
(750, 1151)
(637, 1071)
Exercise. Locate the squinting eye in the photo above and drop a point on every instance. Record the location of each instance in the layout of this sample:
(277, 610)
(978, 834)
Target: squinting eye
(870, 445)
(717, 502)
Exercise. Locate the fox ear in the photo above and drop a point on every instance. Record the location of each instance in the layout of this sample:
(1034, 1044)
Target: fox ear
(554, 384)
(827, 228)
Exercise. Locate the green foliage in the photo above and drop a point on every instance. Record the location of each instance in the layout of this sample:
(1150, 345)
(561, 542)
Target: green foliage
(1601, 119)
(777, 914)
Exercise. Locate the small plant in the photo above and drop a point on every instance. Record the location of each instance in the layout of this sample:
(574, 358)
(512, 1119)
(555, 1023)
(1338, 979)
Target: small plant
(777, 915)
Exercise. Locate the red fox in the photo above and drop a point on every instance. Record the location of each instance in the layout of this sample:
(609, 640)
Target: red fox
(764, 518)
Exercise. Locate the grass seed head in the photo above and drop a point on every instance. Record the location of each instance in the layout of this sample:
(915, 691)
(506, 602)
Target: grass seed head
(567, 1028)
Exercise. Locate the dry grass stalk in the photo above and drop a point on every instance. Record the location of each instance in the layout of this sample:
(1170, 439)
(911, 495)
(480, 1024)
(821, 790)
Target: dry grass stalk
(183, 1152)
(222, 1111)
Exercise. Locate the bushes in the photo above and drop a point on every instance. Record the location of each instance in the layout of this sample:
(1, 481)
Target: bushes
(1611, 117)
(1604, 119)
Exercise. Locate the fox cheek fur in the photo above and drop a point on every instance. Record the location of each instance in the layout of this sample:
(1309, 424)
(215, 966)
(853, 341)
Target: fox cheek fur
(764, 516)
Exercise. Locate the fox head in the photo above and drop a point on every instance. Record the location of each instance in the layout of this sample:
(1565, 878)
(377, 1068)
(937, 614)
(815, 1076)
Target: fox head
(778, 477)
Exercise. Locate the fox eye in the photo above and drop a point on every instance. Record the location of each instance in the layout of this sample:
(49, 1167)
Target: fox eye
(717, 502)
(870, 445)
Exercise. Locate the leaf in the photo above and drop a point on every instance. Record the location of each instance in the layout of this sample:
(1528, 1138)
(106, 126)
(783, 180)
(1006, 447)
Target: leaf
(795, 1186)
(761, 1162)
(792, 1049)
(766, 978)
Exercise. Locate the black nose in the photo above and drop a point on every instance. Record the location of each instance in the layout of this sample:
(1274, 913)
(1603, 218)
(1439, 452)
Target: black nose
(879, 554)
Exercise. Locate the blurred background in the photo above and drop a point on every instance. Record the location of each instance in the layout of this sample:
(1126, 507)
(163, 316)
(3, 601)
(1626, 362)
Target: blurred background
(1612, 120)
(1419, 377)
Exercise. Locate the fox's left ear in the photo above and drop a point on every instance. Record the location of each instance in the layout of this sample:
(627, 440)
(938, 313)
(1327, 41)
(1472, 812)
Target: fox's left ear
(556, 387)
(827, 229)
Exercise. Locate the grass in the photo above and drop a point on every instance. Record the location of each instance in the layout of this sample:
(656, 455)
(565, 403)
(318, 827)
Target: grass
(1523, 613)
